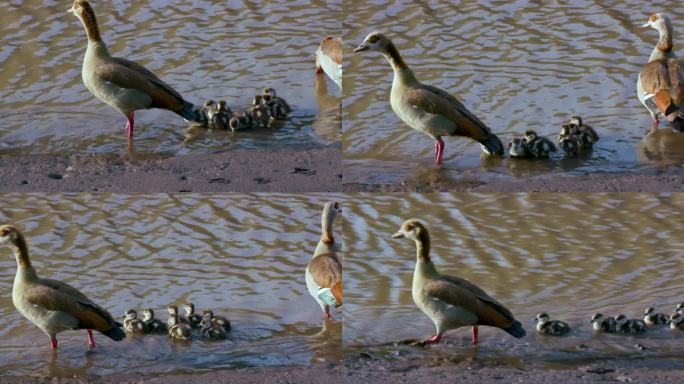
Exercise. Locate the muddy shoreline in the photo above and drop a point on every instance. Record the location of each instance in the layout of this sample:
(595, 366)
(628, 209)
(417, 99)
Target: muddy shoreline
(239, 170)
(361, 370)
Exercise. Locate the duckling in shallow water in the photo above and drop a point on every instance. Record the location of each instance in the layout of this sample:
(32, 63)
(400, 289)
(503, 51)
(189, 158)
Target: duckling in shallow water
(629, 326)
(677, 321)
(680, 309)
(260, 112)
(518, 148)
(173, 313)
(587, 133)
(178, 330)
(240, 121)
(538, 146)
(220, 320)
(221, 116)
(208, 110)
(191, 317)
(132, 324)
(211, 330)
(546, 326)
(153, 325)
(603, 324)
(279, 108)
(653, 318)
(569, 140)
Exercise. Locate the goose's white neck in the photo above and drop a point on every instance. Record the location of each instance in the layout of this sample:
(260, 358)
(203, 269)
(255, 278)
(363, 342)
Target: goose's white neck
(663, 50)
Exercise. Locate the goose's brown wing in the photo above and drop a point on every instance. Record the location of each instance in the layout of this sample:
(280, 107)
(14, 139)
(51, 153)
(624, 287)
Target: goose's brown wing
(435, 101)
(326, 271)
(129, 75)
(462, 293)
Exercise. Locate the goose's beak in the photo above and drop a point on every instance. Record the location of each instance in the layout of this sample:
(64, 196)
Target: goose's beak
(398, 235)
(362, 47)
(646, 25)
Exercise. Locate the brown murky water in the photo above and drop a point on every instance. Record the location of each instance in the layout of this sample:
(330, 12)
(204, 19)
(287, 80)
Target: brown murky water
(205, 50)
(517, 65)
(566, 254)
(242, 255)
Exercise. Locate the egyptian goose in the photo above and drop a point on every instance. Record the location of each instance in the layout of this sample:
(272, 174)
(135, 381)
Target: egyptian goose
(518, 148)
(191, 318)
(538, 146)
(121, 83)
(680, 308)
(660, 86)
(629, 326)
(132, 324)
(153, 325)
(451, 302)
(52, 305)
(569, 140)
(324, 271)
(260, 112)
(653, 318)
(677, 321)
(329, 59)
(220, 320)
(279, 108)
(601, 323)
(426, 108)
(546, 326)
(210, 329)
(177, 329)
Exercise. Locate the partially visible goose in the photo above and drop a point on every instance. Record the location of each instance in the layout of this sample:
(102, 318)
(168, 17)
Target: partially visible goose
(451, 302)
(329, 59)
(123, 84)
(51, 305)
(660, 86)
(324, 271)
(426, 108)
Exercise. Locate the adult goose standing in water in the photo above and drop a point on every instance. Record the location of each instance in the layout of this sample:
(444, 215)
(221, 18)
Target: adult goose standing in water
(660, 86)
(324, 272)
(123, 84)
(426, 108)
(451, 302)
(329, 59)
(51, 305)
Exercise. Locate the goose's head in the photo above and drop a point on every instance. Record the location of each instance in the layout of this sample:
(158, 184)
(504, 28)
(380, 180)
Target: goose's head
(235, 123)
(9, 234)
(680, 308)
(173, 310)
(375, 41)
(189, 308)
(222, 106)
(330, 210)
(257, 100)
(660, 22)
(208, 312)
(542, 317)
(597, 317)
(148, 314)
(620, 320)
(649, 311)
(269, 91)
(209, 103)
(81, 9)
(576, 120)
(131, 314)
(206, 320)
(516, 147)
(676, 318)
(529, 136)
(411, 229)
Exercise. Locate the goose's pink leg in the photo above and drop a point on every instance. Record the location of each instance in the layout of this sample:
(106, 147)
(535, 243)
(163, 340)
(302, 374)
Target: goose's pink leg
(434, 339)
(326, 314)
(439, 146)
(53, 342)
(130, 123)
(475, 335)
(655, 123)
(91, 340)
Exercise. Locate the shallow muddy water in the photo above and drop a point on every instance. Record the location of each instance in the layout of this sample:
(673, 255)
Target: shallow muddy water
(241, 255)
(566, 254)
(517, 66)
(205, 50)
